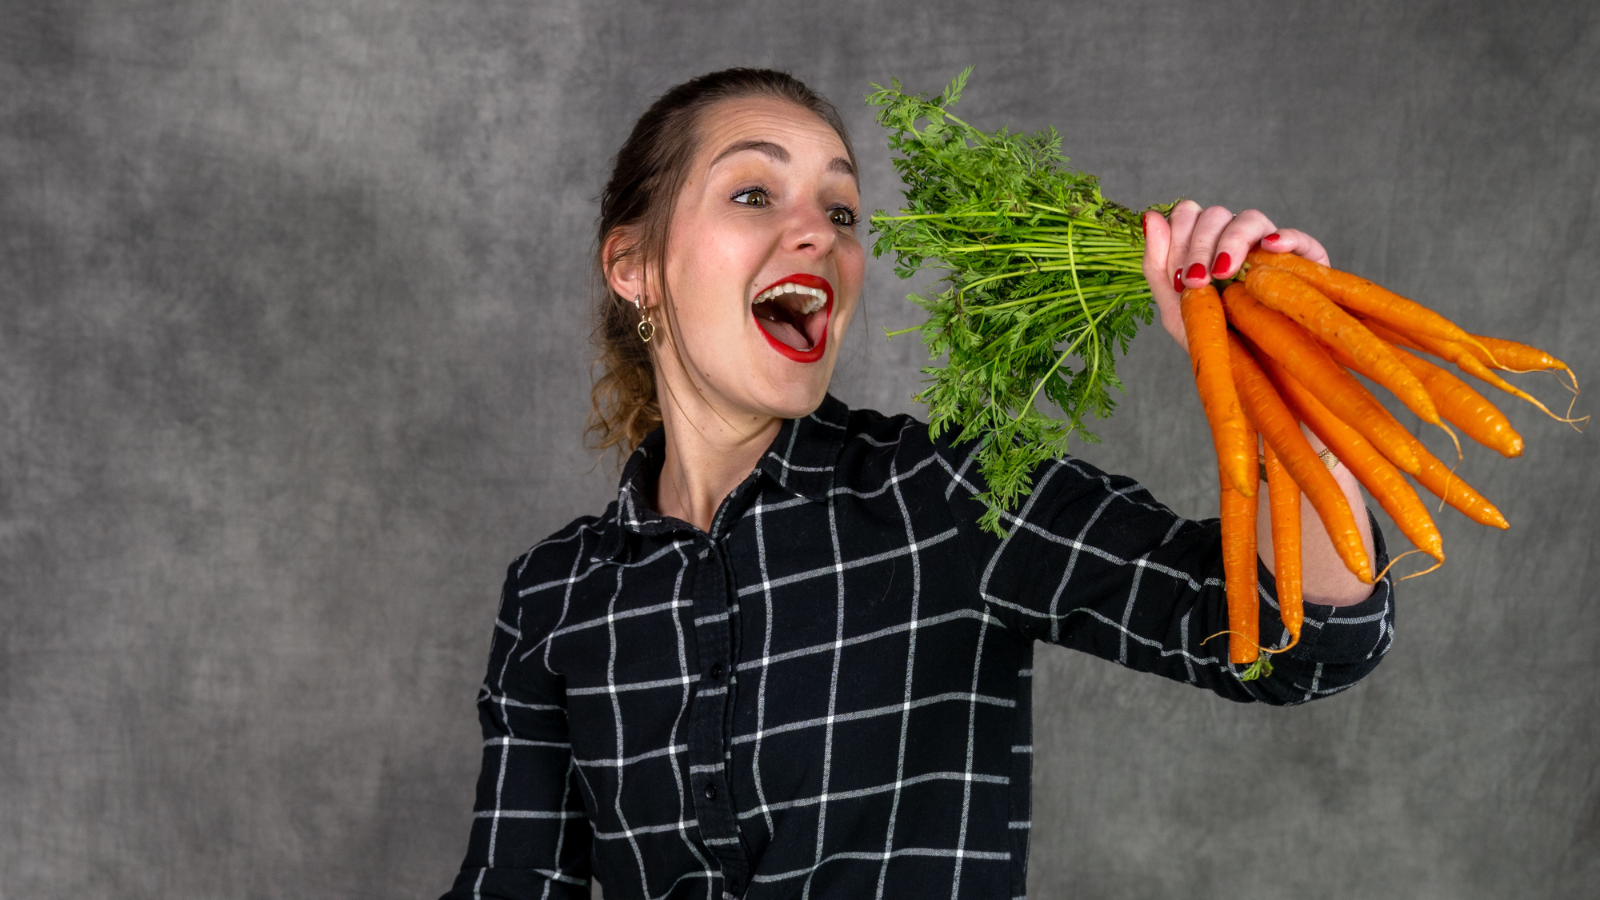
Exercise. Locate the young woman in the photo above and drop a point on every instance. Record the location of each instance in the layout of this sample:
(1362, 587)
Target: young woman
(786, 662)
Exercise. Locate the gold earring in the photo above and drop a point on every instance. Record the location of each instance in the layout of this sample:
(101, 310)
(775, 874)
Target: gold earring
(647, 328)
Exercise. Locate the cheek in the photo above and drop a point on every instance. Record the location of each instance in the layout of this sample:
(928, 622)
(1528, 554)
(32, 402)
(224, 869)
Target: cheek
(708, 290)
(852, 273)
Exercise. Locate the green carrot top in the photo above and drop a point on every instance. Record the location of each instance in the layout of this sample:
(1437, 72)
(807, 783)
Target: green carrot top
(1043, 279)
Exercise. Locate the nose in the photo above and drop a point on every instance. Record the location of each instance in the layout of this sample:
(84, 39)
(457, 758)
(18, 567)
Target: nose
(811, 230)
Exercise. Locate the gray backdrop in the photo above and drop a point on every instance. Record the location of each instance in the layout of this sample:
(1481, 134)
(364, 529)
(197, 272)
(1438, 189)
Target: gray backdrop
(293, 360)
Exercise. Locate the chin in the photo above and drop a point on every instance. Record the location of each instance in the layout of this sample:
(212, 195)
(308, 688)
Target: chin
(797, 396)
(795, 403)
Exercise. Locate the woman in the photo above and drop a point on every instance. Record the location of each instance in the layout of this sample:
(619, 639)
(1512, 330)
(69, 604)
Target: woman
(786, 661)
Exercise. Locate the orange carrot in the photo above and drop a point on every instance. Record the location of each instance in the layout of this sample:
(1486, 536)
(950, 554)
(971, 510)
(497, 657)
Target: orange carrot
(1284, 504)
(1513, 356)
(1239, 572)
(1456, 400)
(1516, 357)
(1281, 430)
(1464, 407)
(1465, 360)
(1289, 344)
(1333, 326)
(1449, 487)
(1379, 476)
(1364, 297)
(1207, 329)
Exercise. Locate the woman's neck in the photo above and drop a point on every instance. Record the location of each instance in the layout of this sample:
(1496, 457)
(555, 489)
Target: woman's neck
(709, 453)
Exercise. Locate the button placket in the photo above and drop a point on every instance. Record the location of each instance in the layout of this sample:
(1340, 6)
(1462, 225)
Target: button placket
(709, 714)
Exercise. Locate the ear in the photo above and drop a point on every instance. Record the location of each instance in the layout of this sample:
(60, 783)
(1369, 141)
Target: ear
(624, 270)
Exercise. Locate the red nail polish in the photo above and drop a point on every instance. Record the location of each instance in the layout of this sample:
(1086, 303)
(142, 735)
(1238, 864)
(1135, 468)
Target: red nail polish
(1221, 265)
(1177, 281)
(1144, 226)
(1197, 272)
(1273, 237)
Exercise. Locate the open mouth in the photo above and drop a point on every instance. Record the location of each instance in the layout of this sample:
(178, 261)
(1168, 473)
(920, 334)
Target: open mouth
(793, 315)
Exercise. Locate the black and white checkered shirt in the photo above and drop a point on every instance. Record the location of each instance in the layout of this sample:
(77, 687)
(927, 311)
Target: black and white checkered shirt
(828, 694)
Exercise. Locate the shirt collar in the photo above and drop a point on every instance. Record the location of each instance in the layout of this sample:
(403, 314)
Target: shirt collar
(802, 456)
(800, 459)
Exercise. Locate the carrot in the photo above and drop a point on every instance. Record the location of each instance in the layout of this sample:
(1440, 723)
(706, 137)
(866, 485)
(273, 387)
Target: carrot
(1284, 504)
(1456, 400)
(1289, 344)
(1516, 357)
(1513, 356)
(1466, 361)
(1207, 329)
(1464, 407)
(1281, 430)
(1448, 486)
(1367, 299)
(1333, 326)
(1379, 476)
(1239, 573)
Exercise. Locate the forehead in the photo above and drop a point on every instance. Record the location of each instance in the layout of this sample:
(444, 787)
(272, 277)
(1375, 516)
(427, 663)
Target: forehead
(781, 122)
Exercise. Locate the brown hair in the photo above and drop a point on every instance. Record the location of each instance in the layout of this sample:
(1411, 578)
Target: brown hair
(646, 176)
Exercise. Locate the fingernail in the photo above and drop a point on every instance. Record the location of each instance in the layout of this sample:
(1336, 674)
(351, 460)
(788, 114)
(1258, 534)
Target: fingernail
(1144, 225)
(1177, 281)
(1273, 238)
(1221, 265)
(1197, 272)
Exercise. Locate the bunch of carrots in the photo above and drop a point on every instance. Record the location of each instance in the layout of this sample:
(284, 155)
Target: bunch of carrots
(1298, 330)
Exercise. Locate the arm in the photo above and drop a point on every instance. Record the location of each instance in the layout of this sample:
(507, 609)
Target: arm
(1197, 245)
(530, 837)
(1091, 561)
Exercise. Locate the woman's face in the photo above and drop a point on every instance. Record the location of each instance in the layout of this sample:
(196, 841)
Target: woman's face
(764, 263)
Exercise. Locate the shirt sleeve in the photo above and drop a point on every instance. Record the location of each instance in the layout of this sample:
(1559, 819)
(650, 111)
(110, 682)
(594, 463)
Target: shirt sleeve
(530, 836)
(1091, 561)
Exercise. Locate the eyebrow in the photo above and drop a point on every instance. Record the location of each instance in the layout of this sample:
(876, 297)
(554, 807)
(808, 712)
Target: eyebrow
(777, 152)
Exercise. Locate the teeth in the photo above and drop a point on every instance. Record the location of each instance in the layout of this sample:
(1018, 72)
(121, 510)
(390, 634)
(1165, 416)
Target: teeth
(816, 297)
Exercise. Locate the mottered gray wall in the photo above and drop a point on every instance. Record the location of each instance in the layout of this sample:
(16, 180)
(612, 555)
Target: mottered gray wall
(293, 361)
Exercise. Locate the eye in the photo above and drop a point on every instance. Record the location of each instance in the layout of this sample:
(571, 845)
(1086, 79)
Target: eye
(756, 197)
(842, 216)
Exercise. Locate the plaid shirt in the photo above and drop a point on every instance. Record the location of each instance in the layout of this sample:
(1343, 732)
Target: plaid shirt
(828, 694)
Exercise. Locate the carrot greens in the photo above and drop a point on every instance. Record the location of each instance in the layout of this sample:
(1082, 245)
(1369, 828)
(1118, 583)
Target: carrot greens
(1042, 284)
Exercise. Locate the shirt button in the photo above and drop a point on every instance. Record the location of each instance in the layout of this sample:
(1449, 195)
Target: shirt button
(716, 671)
(711, 791)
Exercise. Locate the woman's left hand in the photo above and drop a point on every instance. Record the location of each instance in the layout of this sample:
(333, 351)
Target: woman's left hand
(1192, 246)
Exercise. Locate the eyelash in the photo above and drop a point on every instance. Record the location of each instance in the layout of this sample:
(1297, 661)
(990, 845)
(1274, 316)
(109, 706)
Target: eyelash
(854, 215)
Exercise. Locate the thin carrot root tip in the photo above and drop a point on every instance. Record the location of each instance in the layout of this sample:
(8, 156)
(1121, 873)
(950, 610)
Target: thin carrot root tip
(1577, 424)
(1454, 440)
(1434, 567)
(1473, 340)
(1284, 649)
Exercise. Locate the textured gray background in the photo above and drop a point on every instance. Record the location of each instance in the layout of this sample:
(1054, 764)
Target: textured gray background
(293, 361)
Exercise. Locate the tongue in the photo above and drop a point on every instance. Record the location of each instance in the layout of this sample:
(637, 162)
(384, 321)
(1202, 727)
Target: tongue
(781, 328)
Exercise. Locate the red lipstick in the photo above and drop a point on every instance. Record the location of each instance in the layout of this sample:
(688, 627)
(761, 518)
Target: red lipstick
(817, 349)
